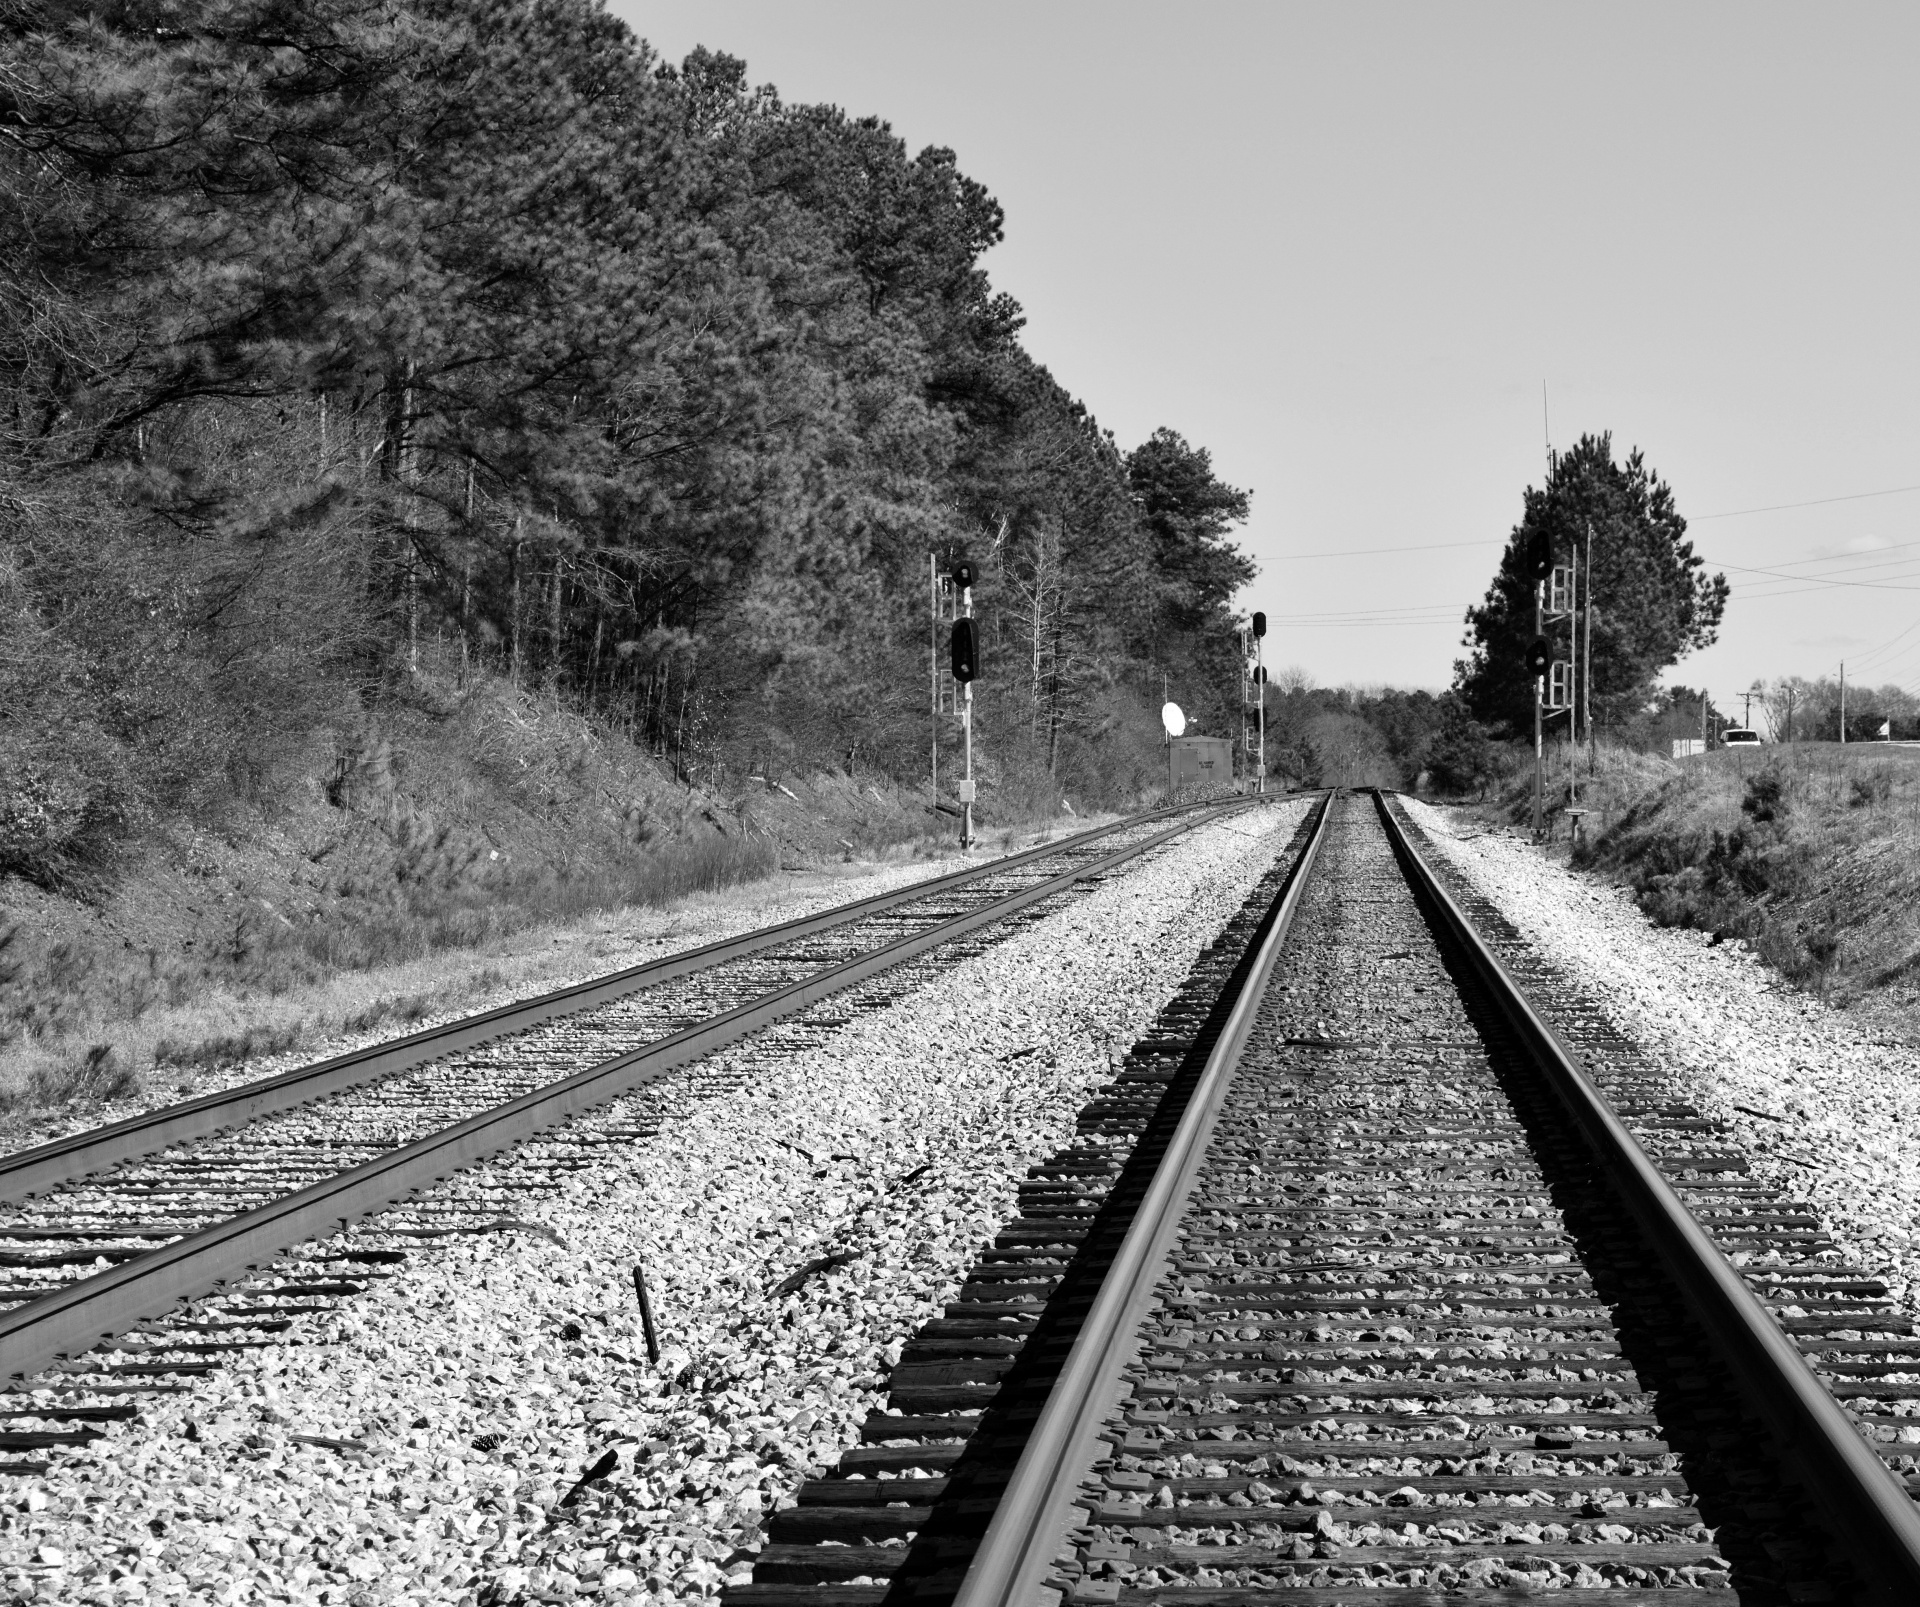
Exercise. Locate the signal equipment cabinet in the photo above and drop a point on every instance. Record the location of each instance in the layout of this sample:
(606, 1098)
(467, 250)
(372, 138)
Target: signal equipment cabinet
(1199, 763)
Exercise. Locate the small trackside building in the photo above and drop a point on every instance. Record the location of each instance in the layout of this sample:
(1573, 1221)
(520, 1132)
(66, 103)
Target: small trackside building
(1198, 763)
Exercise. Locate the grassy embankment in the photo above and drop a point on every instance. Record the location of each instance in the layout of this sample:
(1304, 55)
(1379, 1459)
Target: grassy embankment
(458, 850)
(1810, 853)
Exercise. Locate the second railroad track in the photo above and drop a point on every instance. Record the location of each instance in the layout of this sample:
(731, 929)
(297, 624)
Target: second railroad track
(107, 1228)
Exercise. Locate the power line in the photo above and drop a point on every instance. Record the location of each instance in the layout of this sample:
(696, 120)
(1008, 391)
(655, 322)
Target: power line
(1435, 609)
(1818, 581)
(1369, 552)
(1759, 590)
(1829, 558)
(1699, 518)
(1367, 624)
(1873, 653)
(1362, 613)
(1384, 616)
(1817, 502)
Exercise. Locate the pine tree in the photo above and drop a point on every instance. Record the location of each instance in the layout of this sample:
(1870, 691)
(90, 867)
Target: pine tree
(1653, 602)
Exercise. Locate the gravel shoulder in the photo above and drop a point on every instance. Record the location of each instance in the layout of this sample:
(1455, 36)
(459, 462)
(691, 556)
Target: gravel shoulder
(1823, 1106)
(468, 1393)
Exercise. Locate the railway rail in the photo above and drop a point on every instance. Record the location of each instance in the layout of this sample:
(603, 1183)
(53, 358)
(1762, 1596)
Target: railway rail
(1379, 1277)
(110, 1227)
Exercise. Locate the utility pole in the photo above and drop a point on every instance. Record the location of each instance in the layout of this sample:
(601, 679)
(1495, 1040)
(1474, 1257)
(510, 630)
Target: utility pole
(1843, 702)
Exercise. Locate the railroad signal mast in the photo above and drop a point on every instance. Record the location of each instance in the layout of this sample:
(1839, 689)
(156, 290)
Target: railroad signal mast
(1537, 562)
(1253, 700)
(1557, 682)
(1563, 607)
(951, 597)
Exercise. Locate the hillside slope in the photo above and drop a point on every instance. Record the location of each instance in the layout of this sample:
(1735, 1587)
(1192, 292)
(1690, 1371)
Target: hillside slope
(444, 823)
(1807, 852)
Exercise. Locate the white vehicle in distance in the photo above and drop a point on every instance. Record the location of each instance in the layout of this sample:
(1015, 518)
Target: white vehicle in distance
(1738, 736)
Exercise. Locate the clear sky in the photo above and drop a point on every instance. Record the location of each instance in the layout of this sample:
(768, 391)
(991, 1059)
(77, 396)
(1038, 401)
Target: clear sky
(1343, 246)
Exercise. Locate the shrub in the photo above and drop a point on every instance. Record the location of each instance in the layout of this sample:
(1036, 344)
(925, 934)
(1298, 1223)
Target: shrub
(1461, 758)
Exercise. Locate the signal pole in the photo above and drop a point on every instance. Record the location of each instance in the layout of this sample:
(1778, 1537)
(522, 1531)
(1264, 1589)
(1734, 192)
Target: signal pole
(1539, 697)
(1260, 691)
(955, 588)
(1573, 703)
(964, 574)
(933, 662)
(1536, 563)
(1243, 744)
(1843, 702)
(1586, 668)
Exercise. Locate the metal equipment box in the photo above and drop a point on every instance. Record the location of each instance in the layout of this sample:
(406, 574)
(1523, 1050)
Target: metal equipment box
(1199, 762)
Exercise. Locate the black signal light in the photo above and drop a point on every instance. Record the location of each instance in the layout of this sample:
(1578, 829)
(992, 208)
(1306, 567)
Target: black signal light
(1259, 624)
(962, 575)
(1537, 560)
(966, 650)
(1539, 657)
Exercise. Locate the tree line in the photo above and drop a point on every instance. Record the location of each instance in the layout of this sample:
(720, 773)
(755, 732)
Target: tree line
(1796, 708)
(347, 345)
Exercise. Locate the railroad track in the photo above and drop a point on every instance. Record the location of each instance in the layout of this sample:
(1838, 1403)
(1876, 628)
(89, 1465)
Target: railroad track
(1381, 1280)
(110, 1228)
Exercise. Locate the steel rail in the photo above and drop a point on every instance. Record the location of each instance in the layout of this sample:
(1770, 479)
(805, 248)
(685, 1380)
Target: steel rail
(31, 1171)
(73, 1319)
(1029, 1525)
(1871, 1513)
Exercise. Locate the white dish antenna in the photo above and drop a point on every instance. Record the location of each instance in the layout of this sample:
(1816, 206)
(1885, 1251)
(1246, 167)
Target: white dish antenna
(1173, 719)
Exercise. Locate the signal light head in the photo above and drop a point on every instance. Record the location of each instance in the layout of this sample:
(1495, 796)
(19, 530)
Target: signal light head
(966, 650)
(1537, 559)
(1539, 656)
(1259, 624)
(962, 573)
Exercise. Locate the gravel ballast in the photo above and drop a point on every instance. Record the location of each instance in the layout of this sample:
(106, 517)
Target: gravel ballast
(1824, 1109)
(799, 1208)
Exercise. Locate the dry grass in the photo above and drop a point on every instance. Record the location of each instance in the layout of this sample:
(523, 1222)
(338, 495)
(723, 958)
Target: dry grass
(1811, 853)
(79, 1023)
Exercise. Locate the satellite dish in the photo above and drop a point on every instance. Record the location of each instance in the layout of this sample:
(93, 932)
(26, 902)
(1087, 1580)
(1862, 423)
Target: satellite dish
(1173, 719)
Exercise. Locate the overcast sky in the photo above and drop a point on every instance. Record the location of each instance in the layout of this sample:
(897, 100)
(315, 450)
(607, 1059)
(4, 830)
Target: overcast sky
(1343, 246)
